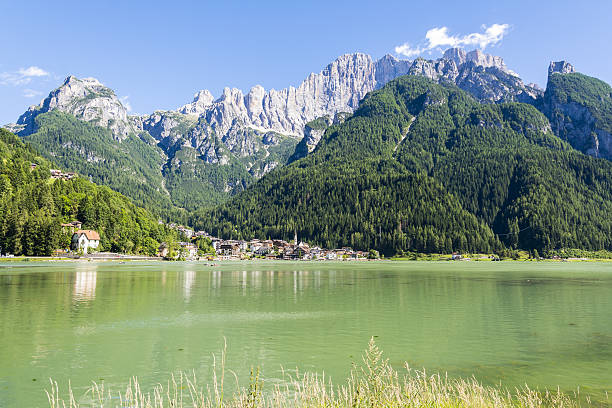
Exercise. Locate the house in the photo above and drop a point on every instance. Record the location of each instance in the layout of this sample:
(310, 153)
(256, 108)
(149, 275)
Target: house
(84, 240)
(262, 248)
(340, 253)
(295, 252)
(58, 174)
(189, 250)
(279, 243)
(186, 231)
(71, 226)
(228, 249)
(255, 246)
(216, 243)
(186, 249)
(163, 250)
(301, 252)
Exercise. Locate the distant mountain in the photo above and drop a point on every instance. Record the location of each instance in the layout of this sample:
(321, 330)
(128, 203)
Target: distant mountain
(86, 99)
(484, 76)
(211, 149)
(424, 166)
(343, 83)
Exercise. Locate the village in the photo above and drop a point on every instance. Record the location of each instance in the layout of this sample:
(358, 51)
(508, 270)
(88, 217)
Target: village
(256, 248)
(86, 242)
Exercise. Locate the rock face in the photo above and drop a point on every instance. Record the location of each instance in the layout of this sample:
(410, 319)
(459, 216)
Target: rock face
(389, 68)
(479, 58)
(201, 101)
(484, 76)
(579, 109)
(313, 132)
(343, 83)
(86, 99)
(562, 67)
(338, 88)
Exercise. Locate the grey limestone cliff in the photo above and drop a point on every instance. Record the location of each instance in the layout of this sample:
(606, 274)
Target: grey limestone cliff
(86, 99)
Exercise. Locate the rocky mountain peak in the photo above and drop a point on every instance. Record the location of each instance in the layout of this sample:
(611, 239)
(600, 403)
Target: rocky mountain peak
(479, 58)
(389, 67)
(90, 82)
(86, 99)
(455, 54)
(345, 61)
(562, 67)
(337, 88)
(201, 100)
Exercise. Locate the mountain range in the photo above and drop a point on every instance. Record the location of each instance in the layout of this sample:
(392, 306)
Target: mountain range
(210, 150)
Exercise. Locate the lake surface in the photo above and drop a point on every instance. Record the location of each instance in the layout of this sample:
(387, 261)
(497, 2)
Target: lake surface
(544, 324)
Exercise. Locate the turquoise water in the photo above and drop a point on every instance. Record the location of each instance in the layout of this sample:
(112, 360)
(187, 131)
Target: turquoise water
(544, 324)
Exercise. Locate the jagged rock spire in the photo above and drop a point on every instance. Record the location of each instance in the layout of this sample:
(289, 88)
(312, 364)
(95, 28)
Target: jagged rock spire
(562, 67)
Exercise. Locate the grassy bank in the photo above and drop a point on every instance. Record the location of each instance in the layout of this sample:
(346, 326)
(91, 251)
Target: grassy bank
(374, 383)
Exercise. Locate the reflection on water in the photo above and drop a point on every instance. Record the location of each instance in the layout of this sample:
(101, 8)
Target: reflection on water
(85, 282)
(189, 277)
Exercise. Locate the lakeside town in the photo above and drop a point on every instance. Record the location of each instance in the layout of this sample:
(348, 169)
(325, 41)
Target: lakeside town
(222, 249)
(200, 245)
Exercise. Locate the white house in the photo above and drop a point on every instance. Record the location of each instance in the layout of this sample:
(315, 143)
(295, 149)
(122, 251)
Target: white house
(189, 249)
(84, 240)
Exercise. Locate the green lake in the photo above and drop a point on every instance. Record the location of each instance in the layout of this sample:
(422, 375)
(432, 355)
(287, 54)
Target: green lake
(541, 323)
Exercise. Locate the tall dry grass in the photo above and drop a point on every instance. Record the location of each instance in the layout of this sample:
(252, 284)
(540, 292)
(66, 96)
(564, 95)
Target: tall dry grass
(374, 383)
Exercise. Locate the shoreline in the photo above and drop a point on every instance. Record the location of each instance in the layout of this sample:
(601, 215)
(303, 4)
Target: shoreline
(424, 259)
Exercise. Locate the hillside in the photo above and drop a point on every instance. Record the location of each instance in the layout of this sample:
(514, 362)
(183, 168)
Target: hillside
(132, 167)
(424, 166)
(580, 110)
(33, 205)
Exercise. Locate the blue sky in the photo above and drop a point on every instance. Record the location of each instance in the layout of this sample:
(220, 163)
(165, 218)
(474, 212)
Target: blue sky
(157, 54)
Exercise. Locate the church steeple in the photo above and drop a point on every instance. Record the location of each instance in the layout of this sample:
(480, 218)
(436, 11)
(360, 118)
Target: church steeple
(295, 241)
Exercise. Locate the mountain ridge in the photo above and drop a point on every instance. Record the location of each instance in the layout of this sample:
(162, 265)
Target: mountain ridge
(210, 149)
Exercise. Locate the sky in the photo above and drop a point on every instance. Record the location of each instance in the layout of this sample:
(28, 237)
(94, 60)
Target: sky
(157, 54)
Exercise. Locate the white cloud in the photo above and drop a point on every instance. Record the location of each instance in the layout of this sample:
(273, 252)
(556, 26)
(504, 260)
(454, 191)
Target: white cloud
(439, 37)
(126, 103)
(32, 72)
(407, 51)
(22, 76)
(31, 93)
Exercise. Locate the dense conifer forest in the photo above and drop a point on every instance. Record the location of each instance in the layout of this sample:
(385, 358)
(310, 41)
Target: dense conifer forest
(33, 205)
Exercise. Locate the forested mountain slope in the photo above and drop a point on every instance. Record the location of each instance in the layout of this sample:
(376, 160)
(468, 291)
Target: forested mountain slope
(424, 166)
(579, 108)
(132, 167)
(33, 205)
